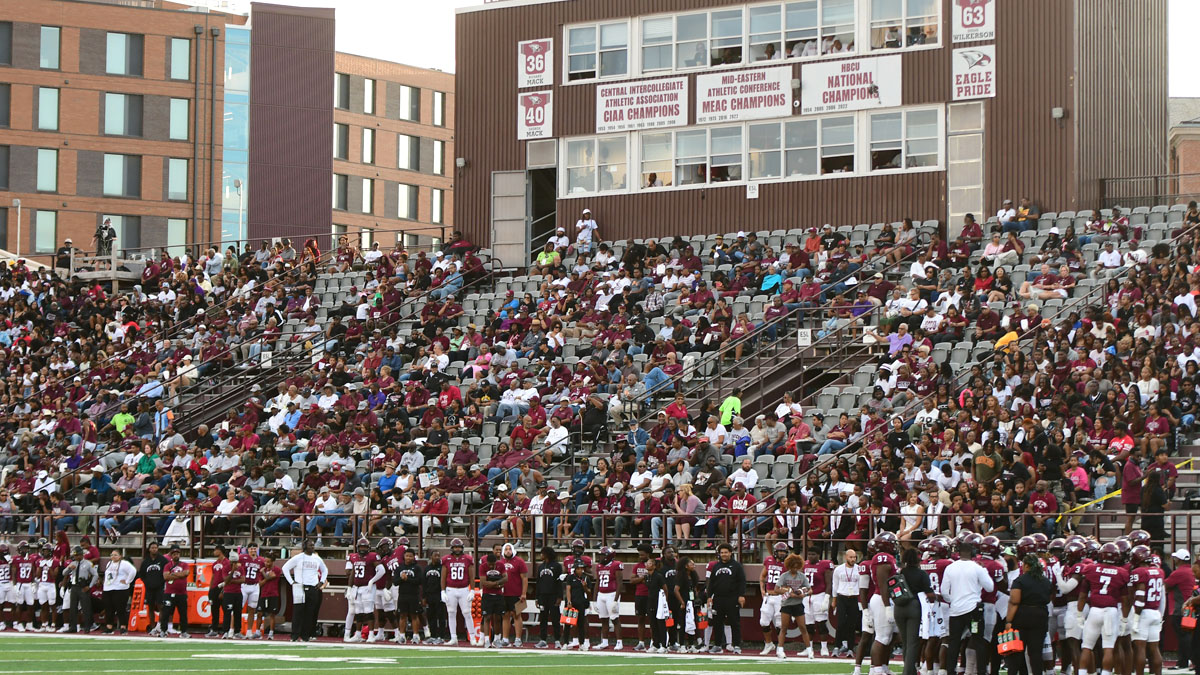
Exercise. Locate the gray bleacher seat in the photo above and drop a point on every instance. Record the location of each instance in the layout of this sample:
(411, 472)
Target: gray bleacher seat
(781, 470)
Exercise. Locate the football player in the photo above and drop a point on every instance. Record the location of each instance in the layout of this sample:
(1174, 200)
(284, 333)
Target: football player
(385, 589)
(641, 595)
(1103, 591)
(1148, 583)
(989, 559)
(865, 584)
(8, 593)
(47, 587)
(608, 605)
(268, 599)
(252, 572)
(816, 602)
(25, 588)
(769, 615)
(883, 566)
(493, 582)
(935, 627)
(458, 573)
(365, 571)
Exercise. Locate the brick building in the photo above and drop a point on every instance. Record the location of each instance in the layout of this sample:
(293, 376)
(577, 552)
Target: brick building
(187, 125)
(106, 110)
(1184, 141)
(393, 151)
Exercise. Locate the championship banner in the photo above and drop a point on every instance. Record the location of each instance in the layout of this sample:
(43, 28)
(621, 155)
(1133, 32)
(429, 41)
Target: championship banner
(762, 93)
(973, 20)
(650, 104)
(974, 72)
(855, 84)
(535, 63)
(535, 115)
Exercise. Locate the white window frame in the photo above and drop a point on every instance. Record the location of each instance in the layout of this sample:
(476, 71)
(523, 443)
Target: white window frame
(437, 206)
(906, 22)
(407, 93)
(175, 166)
(823, 32)
(907, 158)
(859, 123)
(49, 157)
(368, 196)
(439, 157)
(408, 205)
(598, 51)
(174, 109)
(594, 165)
(368, 146)
(439, 108)
(368, 96)
(405, 142)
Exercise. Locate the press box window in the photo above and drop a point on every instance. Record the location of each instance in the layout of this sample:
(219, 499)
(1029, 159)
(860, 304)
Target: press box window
(597, 51)
(596, 165)
(903, 23)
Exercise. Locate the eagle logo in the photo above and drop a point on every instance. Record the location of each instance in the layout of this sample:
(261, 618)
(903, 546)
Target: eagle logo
(975, 58)
(533, 100)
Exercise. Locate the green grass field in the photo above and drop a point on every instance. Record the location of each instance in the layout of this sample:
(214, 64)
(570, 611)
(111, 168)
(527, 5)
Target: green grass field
(68, 654)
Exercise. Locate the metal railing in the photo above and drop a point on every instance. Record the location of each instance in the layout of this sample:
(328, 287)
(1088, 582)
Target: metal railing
(701, 530)
(1134, 191)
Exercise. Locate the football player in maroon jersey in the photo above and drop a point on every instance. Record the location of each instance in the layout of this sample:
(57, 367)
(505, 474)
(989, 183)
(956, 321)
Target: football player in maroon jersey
(817, 602)
(365, 570)
(458, 573)
(1104, 591)
(769, 615)
(608, 602)
(1149, 595)
(385, 589)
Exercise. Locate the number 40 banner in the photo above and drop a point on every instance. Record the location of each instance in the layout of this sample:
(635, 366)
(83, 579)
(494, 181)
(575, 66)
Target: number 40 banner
(535, 115)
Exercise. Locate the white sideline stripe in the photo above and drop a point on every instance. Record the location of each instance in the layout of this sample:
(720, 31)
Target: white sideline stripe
(470, 652)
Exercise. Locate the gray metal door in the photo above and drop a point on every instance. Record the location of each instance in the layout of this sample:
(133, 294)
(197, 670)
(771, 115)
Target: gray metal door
(510, 234)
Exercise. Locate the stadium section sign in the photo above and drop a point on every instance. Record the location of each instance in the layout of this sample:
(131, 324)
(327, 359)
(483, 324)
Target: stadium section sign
(649, 104)
(973, 20)
(744, 95)
(535, 115)
(856, 84)
(535, 63)
(974, 72)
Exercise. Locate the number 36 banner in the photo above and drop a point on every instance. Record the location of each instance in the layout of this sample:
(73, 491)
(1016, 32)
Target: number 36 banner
(974, 20)
(535, 63)
(535, 115)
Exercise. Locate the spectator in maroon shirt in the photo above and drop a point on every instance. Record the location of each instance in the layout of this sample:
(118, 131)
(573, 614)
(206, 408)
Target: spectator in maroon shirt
(1042, 503)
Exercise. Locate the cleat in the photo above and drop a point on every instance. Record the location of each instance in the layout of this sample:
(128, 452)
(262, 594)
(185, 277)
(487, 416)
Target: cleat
(184, 635)
(808, 653)
(619, 646)
(211, 634)
(736, 650)
(640, 647)
(780, 653)
(373, 638)
(661, 650)
(766, 649)
(541, 644)
(585, 646)
(452, 642)
(603, 644)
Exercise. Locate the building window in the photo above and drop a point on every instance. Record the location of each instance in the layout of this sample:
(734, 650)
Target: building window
(369, 96)
(409, 151)
(49, 48)
(439, 109)
(410, 103)
(783, 150)
(437, 203)
(590, 160)
(5, 104)
(179, 119)
(124, 54)
(177, 175)
(837, 145)
(341, 186)
(368, 196)
(708, 156)
(439, 157)
(176, 236)
(406, 202)
(657, 164)
(816, 27)
(122, 176)
(123, 115)
(341, 91)
(5, 43)
(597, 51)
(181, 59)
(904, 140)
(47, 170)
(903, 23)
(368, 146)
(45, 231)
(47, 109)
(4, 167)
(341, 141)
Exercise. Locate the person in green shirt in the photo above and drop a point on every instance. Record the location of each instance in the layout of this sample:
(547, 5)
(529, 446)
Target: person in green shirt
(732, 405)
(122, 419)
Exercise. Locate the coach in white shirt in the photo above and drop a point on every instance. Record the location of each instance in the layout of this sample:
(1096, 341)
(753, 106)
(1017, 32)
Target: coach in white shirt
(963, 585)
(118, 577)
(845, 592)
(308, 576)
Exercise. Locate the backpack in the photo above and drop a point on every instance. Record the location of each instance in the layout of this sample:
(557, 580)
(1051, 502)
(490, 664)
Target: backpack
(899, 592)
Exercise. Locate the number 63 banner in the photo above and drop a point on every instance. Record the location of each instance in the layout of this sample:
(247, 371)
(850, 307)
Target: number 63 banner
(535, 115)
(974, 20)
(535, 63)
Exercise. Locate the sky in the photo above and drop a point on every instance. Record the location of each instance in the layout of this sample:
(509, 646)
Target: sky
(421, 33)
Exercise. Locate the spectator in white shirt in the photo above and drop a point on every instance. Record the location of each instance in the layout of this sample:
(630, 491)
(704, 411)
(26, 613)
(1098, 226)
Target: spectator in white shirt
(1007, 214)
(715, 432)
(413, 460)
(746, 475)
(1109, 259)
(118, 576)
